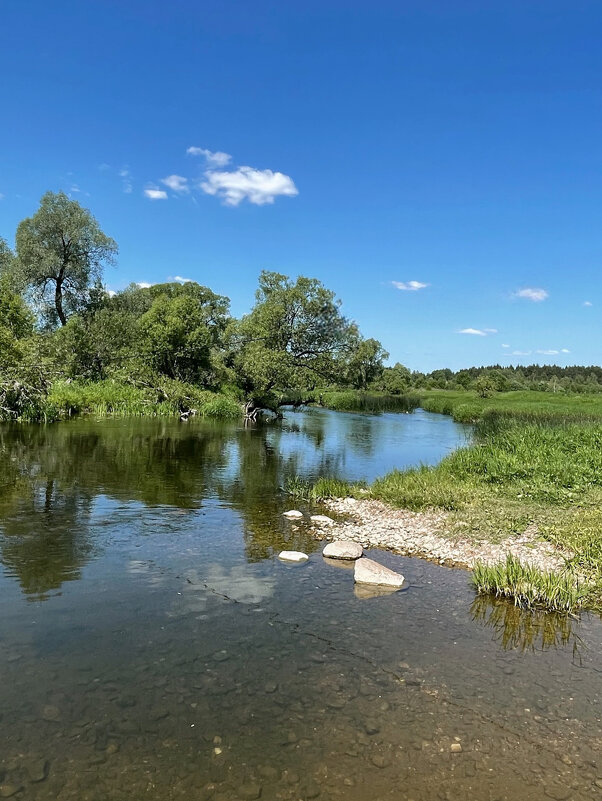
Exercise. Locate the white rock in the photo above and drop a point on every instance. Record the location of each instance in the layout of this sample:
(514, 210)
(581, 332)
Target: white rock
(369, 572)
(293, 556)
(322, 520)
(343, 549)
(293, 513)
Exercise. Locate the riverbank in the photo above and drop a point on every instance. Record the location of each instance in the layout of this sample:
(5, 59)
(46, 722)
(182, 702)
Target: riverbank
(429, 535)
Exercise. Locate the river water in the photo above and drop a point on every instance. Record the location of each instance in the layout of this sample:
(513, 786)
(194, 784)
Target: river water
(153, 646)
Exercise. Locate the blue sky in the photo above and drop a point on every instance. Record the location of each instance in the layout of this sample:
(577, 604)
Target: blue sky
(454, 144)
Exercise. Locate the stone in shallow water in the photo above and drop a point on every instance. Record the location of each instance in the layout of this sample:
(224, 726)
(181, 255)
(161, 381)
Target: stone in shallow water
(369, 572)
(322, 520)
(37, 769)
(293, 556)
(293, 514)
(343, 549)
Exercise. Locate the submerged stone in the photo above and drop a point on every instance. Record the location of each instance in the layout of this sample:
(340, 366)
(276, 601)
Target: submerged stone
(293, 514)
(343, 549)
(322, 520)
(368, 571)
(293, 556)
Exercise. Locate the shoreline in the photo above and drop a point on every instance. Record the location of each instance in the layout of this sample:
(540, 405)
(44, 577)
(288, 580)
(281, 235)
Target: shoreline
(374, 524)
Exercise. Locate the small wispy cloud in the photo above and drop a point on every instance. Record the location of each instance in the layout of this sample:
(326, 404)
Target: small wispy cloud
(181, 280)
(214, 158)
(246, 183)
(534, 294)
(505, 346)
(564, 350)
(177, 183)
(521, 353)
(548, 352)
(478, 332)
(126, 180)
(409, 286)
(144, 284)
(152, 193)
(74, 189)
(587, 303)
(110, 292)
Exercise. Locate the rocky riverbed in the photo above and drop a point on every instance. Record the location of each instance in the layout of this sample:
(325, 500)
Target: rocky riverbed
(373, 524)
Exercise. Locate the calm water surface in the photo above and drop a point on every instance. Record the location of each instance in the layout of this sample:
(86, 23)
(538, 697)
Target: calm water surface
(152, 646)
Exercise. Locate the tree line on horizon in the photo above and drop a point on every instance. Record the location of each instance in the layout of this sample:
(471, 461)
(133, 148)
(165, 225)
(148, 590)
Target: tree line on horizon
(59, 323)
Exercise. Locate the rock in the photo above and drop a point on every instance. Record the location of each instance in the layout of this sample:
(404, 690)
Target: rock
(270, 687)
(51, 713)
(250, 791)
(456, 748)
(321, 520)
(37, 770)
(8, 790)
(293, 514)
(343, 549)
(380, 761)
(293, 556)
(369, 572)
(371, 727)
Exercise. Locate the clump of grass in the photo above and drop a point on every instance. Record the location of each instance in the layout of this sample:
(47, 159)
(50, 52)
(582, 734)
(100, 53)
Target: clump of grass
(529, 587)
(322, 488)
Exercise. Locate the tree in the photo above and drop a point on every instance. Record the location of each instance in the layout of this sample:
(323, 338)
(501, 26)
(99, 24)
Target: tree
(294, 337)
(365, 363)
(61, 251)
(396, 379)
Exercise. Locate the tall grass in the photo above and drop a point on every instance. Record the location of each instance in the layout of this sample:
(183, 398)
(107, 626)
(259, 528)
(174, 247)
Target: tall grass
(105, 398)
(371, 402)
(322, 488)
(527, 586)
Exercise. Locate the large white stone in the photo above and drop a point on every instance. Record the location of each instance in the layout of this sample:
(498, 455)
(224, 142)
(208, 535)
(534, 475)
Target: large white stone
(321, 520)
(343, 549)
(369, 572)
(293, 556)
(293, 513)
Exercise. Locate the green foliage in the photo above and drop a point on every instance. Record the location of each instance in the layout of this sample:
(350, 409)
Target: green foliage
(322, 488)
(61, 250)
(528, 586)
(365, 361)
(294, 337)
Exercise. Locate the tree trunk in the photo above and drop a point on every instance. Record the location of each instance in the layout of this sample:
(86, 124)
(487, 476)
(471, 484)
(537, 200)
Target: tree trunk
(58, 301)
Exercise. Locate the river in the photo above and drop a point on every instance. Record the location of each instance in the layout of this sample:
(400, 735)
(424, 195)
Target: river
(153, 646)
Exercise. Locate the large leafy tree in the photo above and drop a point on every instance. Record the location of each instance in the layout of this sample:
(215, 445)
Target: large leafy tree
(294, 337)
(365, 362)
(61, 251)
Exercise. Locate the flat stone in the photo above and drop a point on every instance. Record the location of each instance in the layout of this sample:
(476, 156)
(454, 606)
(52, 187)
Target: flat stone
(8, 790)
(456, 748)
(369, 572)
(37, 769)
(343, 549)
(293, 514)
(250, 791)
(321, 520)
(293, 556)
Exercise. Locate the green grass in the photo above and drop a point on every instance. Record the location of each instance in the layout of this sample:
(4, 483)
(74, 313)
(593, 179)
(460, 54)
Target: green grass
(322, 488)
(468, 407)
(529, 587)
(104, 398)
(370, 402)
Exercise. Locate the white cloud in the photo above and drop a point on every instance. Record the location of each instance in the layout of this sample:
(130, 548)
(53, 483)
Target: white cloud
(177, 183)
(587, 303)
(564, 350)
(478, 332)
(521, 353)
(409, 286)
(532, 293)
(155, 194)
(550, 352)
(505, 346)
(214, 158)
(257, 186)
(181, 280)
(110, 292)
(143, 284)
(75, 188)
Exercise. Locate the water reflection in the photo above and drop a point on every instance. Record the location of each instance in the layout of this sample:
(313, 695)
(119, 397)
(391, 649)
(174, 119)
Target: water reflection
(519, 629)
(63, 487)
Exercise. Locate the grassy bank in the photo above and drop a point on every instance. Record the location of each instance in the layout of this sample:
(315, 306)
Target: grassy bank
(535, 467)
(104, 398)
